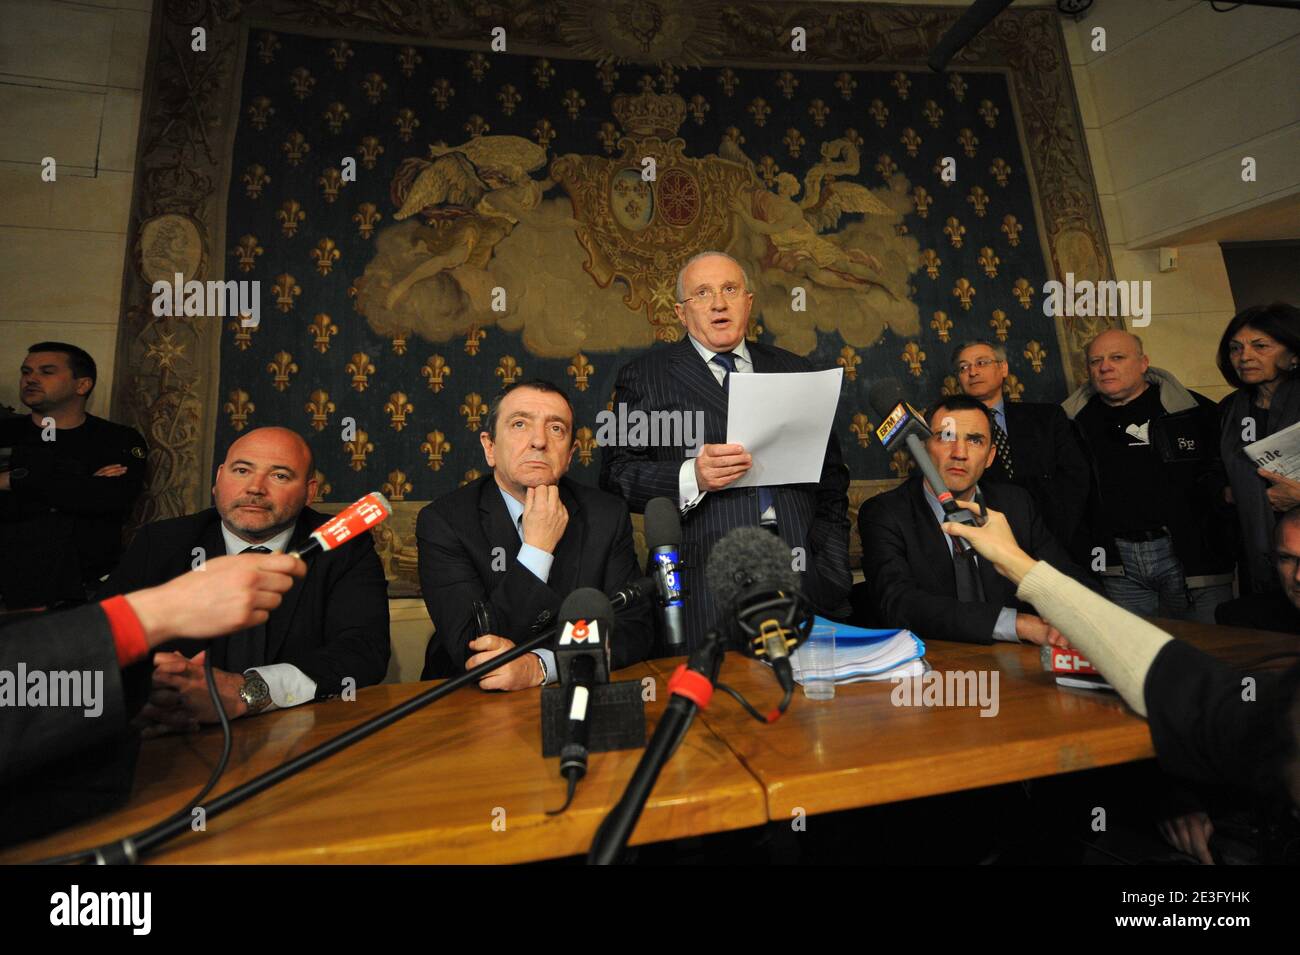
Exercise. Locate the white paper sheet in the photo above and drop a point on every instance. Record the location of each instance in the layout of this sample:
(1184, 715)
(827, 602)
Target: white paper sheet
(1278, 452)
(784, 421)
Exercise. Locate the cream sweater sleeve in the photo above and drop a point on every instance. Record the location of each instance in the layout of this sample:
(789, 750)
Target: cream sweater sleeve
(1119, 644)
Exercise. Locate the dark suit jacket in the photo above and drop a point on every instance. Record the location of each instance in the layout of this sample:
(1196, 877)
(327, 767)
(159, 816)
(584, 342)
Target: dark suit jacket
(58, 766)
(1050, 464)
(457, 535)
(332, 624)
(810, 516)
(910, 579)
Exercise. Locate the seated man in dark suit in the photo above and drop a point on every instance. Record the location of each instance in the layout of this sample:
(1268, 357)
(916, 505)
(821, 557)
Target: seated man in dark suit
(329, 635)
(520, 540)
(1037, 446)
(1276, 610)
(913, 579)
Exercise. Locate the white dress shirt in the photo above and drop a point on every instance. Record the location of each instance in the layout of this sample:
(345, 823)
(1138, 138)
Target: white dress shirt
(688, 488)
(288, 685)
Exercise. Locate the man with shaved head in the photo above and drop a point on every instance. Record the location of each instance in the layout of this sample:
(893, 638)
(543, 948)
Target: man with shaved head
(329, 633)
(1157, 519)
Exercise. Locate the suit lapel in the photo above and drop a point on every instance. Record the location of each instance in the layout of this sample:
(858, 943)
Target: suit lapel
(933, 545)
(686, 365)
(567, 566)
(498, 528)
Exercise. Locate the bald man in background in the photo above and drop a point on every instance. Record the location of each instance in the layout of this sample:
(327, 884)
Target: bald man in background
(332, 626)
(1158, 524)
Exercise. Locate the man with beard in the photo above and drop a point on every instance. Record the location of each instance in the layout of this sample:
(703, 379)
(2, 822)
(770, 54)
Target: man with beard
(332, 625)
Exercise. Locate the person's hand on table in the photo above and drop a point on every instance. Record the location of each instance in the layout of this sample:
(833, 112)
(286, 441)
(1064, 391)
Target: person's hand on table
(1034, 629)
(1190, 834)
(179, 699)
(521, 674)
(1283, 492)
(995, 542)
(718, 465)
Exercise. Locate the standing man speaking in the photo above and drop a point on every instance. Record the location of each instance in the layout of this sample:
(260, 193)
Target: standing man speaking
(693, 375)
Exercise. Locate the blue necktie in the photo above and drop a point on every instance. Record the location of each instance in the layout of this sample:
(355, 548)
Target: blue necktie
(727, 361)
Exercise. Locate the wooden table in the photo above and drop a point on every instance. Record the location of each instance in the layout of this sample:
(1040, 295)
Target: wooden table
(860, 749)
(427, 789)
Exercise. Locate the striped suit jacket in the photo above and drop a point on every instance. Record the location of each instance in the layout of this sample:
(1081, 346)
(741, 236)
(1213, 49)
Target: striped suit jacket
(811, 516)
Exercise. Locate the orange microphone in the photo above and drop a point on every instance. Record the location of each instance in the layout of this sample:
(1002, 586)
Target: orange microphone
(354, 520)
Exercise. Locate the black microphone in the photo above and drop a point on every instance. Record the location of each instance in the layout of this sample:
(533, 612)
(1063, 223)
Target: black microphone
(582, 658)
(901, 423)
(749, 573)
(663, 537)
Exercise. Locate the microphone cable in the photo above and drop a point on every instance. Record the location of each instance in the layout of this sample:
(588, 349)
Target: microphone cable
(124, 850)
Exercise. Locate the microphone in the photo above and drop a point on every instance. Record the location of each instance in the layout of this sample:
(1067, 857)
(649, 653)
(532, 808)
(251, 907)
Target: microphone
(663, 536)
(352, 521)
(900, 422)
(582, 657)
(749, 574)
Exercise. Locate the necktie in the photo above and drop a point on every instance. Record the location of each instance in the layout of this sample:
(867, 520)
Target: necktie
(969, 588)
(727, 361)
(243, 648)
(1003, 444)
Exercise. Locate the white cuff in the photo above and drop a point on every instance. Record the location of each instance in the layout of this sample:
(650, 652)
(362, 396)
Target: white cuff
(288, 685)
(1005, 628)
(688, 490)
(548, 661)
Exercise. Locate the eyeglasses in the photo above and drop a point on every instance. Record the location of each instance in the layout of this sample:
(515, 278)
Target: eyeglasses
(980, 363)
(705, 295)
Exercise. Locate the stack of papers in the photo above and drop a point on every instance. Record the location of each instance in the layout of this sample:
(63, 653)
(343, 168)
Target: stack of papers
(862, 655)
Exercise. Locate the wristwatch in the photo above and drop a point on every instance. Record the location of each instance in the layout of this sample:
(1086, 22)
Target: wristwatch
(542, 660)
(255, 693)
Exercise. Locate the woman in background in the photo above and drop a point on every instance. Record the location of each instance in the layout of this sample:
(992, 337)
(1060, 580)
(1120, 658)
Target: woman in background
(1258, 354)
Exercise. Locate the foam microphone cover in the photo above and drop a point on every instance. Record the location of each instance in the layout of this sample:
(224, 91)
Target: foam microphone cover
(586, 603)
(663, 525)
(885, 396)
(748, 557)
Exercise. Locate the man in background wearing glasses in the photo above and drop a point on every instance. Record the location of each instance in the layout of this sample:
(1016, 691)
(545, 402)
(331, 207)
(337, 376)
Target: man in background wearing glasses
(1037, 447)
(713, 302)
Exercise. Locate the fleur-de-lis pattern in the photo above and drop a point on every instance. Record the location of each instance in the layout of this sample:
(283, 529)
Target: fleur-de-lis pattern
(294, 224)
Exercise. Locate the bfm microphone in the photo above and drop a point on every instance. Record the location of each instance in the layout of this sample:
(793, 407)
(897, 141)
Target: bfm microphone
(582, 657)
(749, 574)
(663, 537)
(352, 521)
(900, 422)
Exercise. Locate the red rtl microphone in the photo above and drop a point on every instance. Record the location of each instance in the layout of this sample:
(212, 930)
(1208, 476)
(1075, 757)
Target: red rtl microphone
(355, 519)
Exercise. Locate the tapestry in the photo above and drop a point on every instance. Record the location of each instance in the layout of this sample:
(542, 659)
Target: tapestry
(431, 219)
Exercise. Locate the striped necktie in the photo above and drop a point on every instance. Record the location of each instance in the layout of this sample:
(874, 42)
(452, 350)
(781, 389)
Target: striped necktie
(727, 360)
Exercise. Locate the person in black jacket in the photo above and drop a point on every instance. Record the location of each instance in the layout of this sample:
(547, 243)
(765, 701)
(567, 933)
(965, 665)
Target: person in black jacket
(329, 635)
(70, 758)
(520, 540)
(913, 579)
(1157, 515)
(692, 377)
(1037, 447)
(68, 486)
